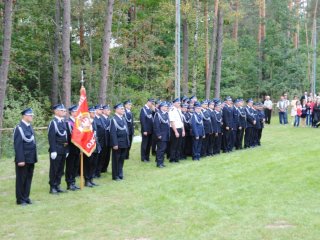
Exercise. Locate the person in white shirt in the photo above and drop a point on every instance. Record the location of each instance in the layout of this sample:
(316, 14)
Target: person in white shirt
(177, 131)
(281, 105)
(267, 109)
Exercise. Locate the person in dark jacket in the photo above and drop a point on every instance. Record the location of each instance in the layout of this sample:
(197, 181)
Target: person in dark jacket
(242, 123)
(128, 116)
(207, 128)
(187, 126)
(197, 131)
(184, 109)
(217, 124)
(161, 128)
(106, 150)
(251, 122)
(227, 115)
(146, 120)
(119, 139)
(25, 149)
(73, 159)
(58, 148)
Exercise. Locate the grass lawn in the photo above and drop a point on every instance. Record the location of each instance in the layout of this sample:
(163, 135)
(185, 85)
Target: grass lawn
(271, 192)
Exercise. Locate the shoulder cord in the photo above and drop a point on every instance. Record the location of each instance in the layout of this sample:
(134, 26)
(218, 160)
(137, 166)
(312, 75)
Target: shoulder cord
(147, 115)
(241, 114)
(162, 120)
(251, 114)
(125, 116)
(24, 138)
(57, 130)
(215, 116)
(196, 118)
(124, 128)
(205, 118)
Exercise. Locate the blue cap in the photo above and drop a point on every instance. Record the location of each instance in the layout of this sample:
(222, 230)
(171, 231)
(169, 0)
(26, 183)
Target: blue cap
(99, 107)
(105, 107)
(184, 105)
(204, 102)
(59, 107)
(228, 98)
(216, 100)
(237, 101)
(184, 98)
(73, 108)
(158, 101)
(163, 104)
(27, 112)
(92, 109)
(192, 97)
(127, 102)
(176, 100)
(197, 104)
(119, 105)
(210, 102)
(151, 100)
(249, 100)
(217, 104)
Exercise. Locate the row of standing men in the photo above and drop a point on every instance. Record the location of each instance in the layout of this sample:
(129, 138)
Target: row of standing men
(181, 128)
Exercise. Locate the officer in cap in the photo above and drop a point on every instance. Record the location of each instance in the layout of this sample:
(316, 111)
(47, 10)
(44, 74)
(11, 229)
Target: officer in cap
(25, 149)
(119, 136)
(146, 120)
(242, 123)
(217, 124)
(129, 119)
(161, 127)
(227, 115)
(207, 129)
(106, 149)
(251, 122)
(198, 132)
(58, 147)
(73, 160)
(99, 128)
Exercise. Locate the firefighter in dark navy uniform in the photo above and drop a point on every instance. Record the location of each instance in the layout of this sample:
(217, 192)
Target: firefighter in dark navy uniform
(25, 156)
(120, 142)
(128, 116)
(198, 132)
(58, 147)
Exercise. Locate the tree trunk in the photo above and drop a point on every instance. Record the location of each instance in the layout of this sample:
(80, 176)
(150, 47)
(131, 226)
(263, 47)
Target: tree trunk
(206, 26)
(185, 33)
(66, 58)
(5, 60)
(296, 34)
(236, 21)
(213, 49)
(105, 53)
(261, 37)
(289, 22)
(55, 77)
(195, 65)
(219, 55)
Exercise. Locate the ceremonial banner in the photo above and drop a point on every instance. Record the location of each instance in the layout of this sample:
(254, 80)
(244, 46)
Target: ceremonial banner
(82, 134)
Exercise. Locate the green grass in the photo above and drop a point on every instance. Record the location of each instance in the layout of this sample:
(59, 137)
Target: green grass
(232, 196)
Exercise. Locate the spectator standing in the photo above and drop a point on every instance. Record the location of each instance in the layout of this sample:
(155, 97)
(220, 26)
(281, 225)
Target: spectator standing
(281, 105)
(267, 109)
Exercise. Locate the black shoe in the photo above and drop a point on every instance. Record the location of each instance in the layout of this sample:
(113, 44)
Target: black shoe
(71, 188)
(163, 165)
(117, 179)
(29, 201)
(176, 161)
(53, 191)
(93, 184)
(146, 161)
(88, 184)
(59, 190)
(76, 187)
(160, 166)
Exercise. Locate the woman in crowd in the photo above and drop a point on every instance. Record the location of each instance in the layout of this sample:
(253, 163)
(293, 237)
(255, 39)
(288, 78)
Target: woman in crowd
(310, 105)
(293, 109)
(303, 112)
(298, 112)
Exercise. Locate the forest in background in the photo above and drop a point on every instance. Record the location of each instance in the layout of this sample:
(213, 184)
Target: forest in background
(242, 48)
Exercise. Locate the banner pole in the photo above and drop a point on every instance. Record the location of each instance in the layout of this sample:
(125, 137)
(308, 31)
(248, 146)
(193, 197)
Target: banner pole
(81, 170)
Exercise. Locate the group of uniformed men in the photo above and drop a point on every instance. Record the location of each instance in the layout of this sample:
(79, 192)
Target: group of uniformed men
(181, 128)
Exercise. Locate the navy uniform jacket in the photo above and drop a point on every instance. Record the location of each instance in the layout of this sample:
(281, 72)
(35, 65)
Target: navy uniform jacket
(259, 118)
(187, 123)
(217, 121)
(72, 148)
(58, 137)
(236, 118)
(207, 121)
(146, 120)
(129, 119)
(106, 123)
(227, 116)
(25, 149)
(197, 125)
(161, 126)
(96, 135)
(119, 133)
(250, 116)
(242, 117)
(100, 130)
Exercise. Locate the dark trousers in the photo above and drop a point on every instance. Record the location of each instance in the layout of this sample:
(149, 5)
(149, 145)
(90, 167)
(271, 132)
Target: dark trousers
(196, 148)
(72, 166)
(248, 137)
(56, 170)
(90, 165)
(188, 146)
(23, 182)
(104, 159)
(282, 117)
(217, 139)
(128, 151)
(234, 138)
(175, 145)
(118, 157)
(161, 150)
(204, 146)
(154, 145)
(146, 147)
(227, 140)
(267, 113)
(239, 138)
(210, 144)
(259, 135)
(183, 145)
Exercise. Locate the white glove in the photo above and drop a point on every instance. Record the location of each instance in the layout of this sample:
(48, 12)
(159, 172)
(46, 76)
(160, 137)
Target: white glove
(53, 155)
(67, 155)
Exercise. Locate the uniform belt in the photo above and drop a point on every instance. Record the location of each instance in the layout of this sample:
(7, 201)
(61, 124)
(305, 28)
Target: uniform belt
(63, 143)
